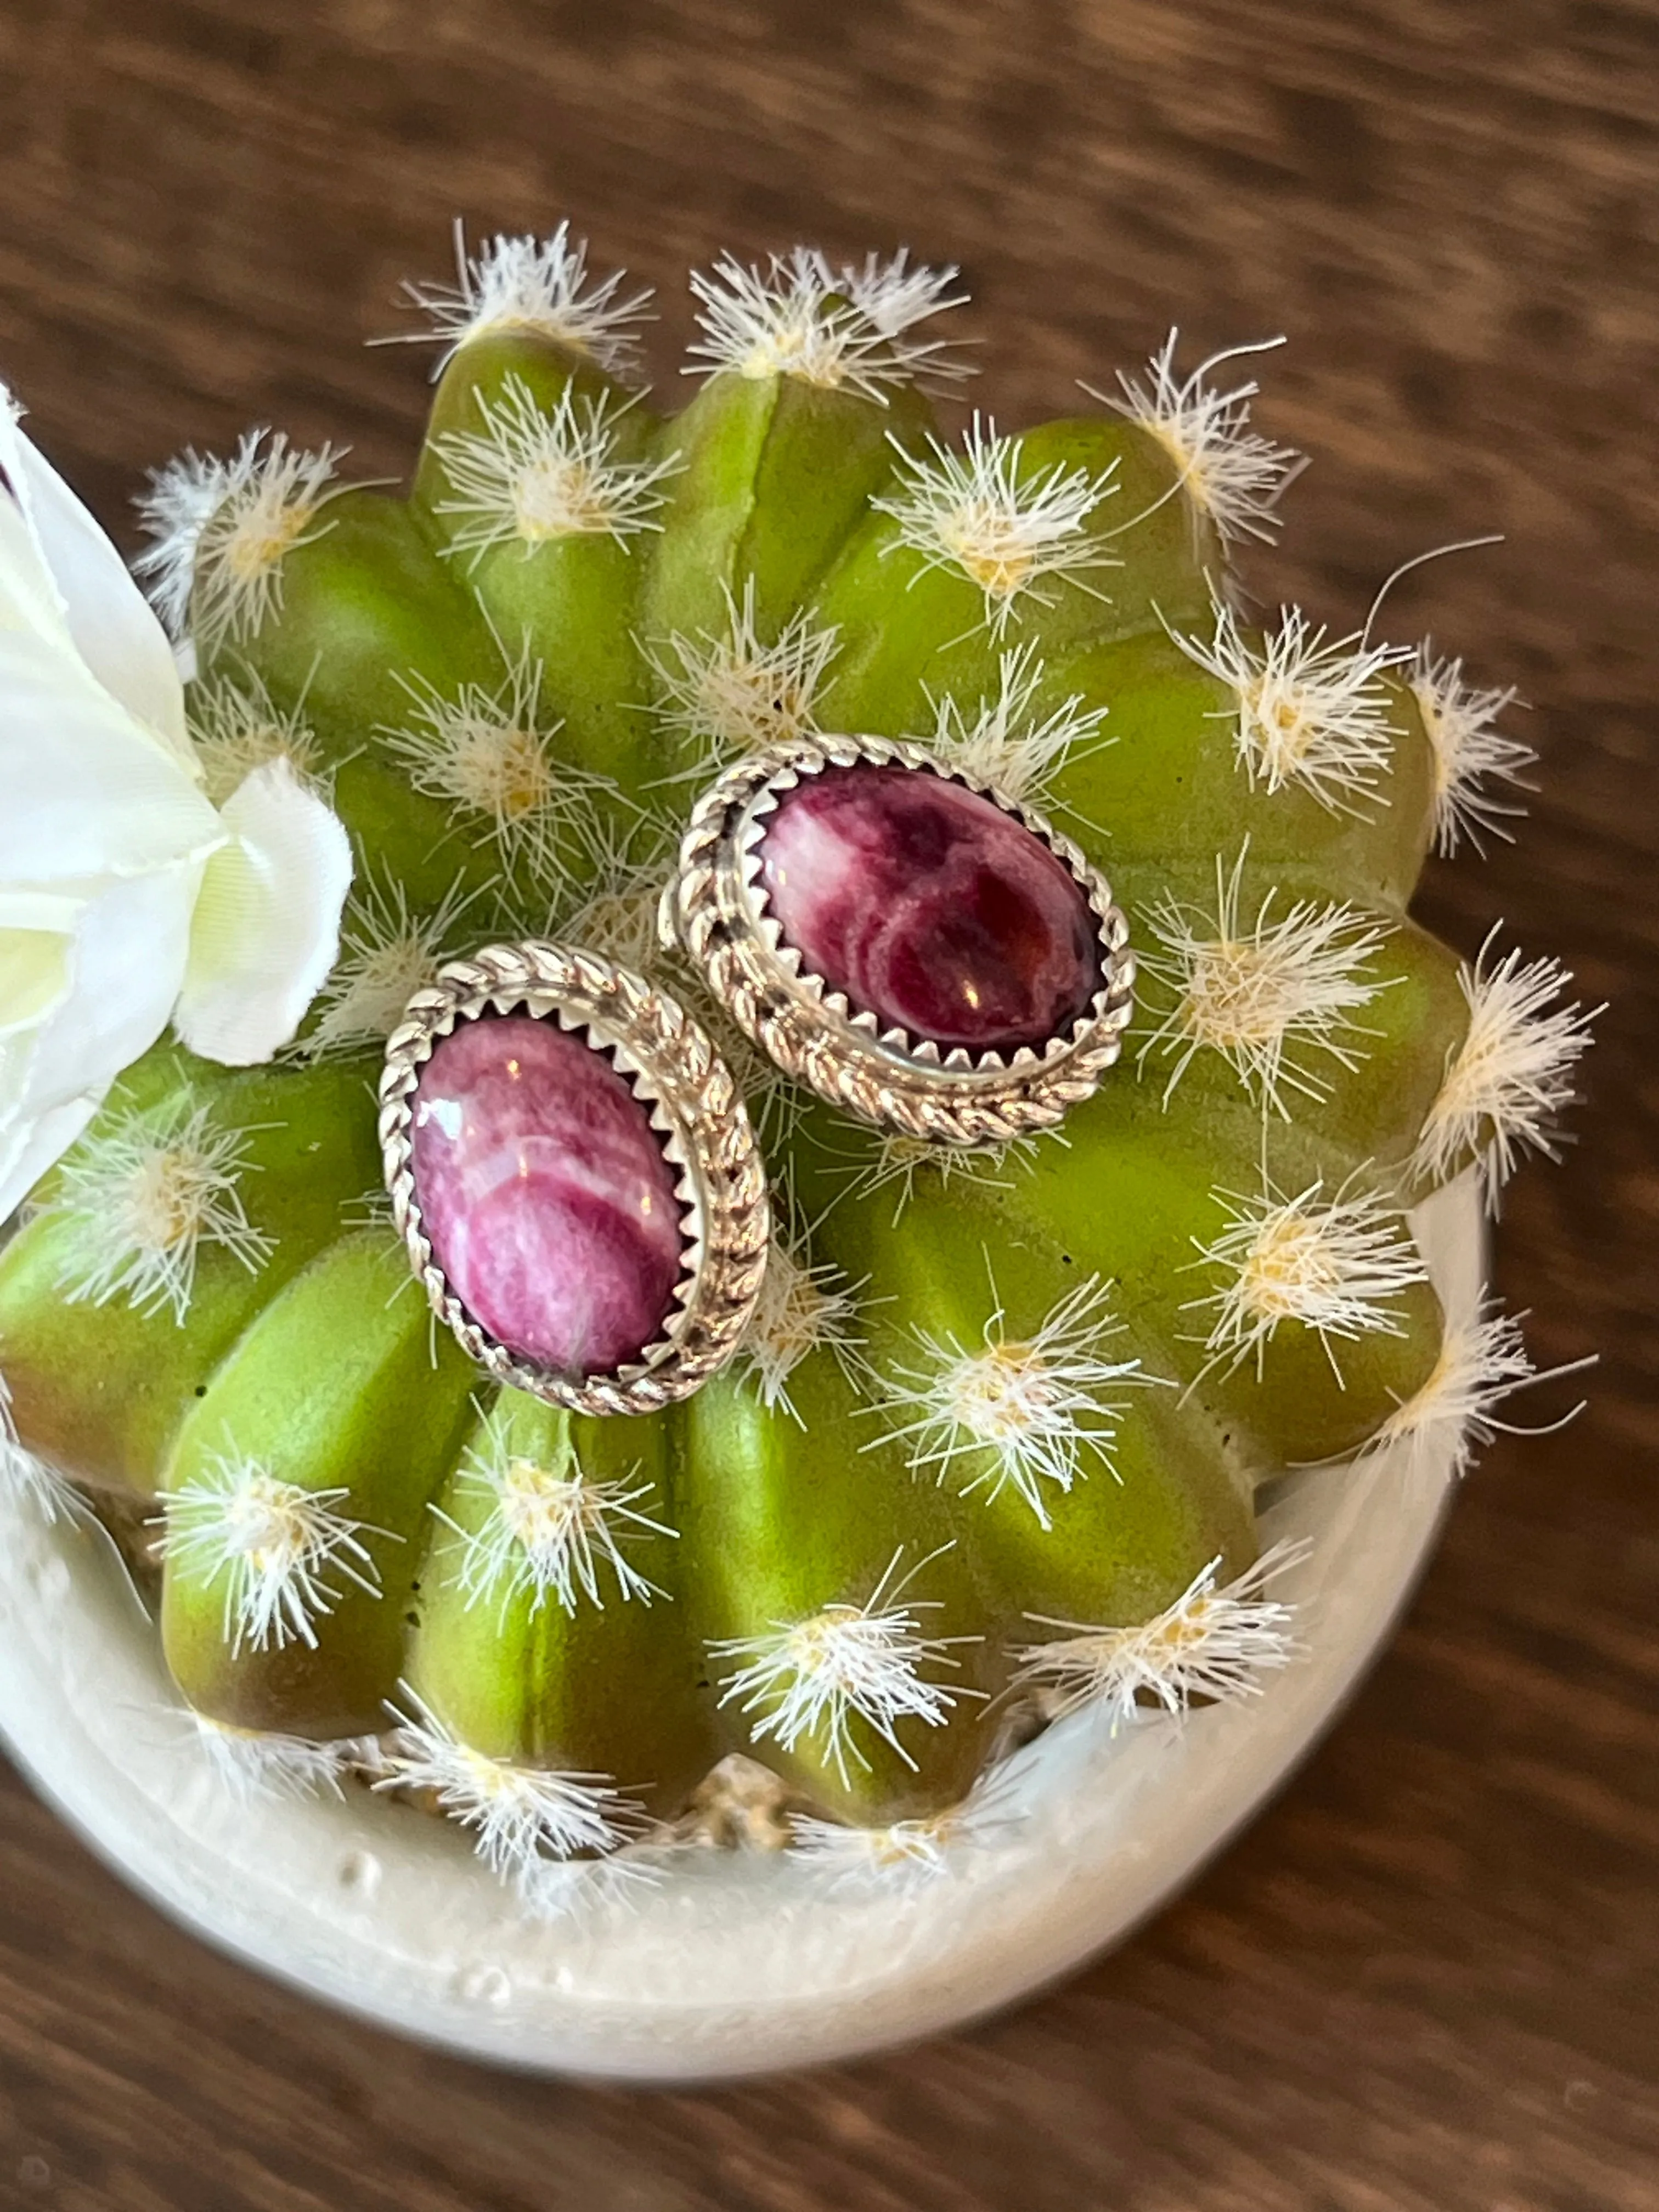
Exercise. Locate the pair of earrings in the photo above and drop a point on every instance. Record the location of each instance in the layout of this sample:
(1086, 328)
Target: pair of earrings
(570, 1163)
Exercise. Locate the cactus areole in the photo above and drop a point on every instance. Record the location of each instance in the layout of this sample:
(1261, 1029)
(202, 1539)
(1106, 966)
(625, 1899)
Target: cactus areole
(882, 1257)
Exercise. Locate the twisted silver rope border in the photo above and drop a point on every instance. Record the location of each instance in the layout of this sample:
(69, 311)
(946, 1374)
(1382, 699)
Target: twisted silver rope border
(714, 907)
(695, 1108)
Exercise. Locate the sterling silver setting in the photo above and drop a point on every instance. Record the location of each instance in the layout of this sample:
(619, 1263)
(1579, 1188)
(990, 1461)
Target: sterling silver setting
(696, 1112)
(716, 908)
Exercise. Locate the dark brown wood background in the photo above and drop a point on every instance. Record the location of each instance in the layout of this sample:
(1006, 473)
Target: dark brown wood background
(1428, 1979)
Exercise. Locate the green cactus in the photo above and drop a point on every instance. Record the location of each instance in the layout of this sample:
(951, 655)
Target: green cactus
(980, 1392)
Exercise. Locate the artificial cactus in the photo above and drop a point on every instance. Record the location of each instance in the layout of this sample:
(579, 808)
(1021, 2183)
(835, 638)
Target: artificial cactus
(992, 1443)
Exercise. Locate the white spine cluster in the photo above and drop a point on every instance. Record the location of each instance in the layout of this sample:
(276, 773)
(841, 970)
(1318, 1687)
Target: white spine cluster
(1212, 1644)
(265, 1768)
(576, 1889)
(550, 1530)
(804, 1306)
(1312, 712)
(1264, 994)
(898, 1162)
(1482, 1363)
(490, 753)
(236, 727)
(1008, 741)
(272, 1544)
(895, 296)
(1231, 472)
(372, 1209)
(906, 1856)
(616, 916)
(28, 1480)
(733, 693)
(1335, 1265)
(521, 1818)
(1511, 1077)
(1014, 1412)
(811, 1678)
(182, 500)
(537, 286)
(139, 1197)
(387, 953)
(848, 328)
(531, 477)
(1014, 537)
(1470, 752)
(221, 532)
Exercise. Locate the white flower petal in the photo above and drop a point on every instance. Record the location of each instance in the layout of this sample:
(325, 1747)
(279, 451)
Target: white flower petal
(28, 597)
(114, 631)
(87, 794)
(34, 976)
(120, 975)
(114, 914)
(29, 1149)
(267, 925)
(57, 907)
(126, 966)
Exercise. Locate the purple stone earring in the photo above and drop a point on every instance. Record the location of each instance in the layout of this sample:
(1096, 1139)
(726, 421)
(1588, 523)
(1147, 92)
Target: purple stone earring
(575, 1176)
(907, 940)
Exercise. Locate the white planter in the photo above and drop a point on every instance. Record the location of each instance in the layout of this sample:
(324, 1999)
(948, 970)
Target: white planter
(731, 1963)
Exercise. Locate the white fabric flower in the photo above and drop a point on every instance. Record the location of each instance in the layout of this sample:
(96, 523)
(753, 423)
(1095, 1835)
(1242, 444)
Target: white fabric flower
(127, 898)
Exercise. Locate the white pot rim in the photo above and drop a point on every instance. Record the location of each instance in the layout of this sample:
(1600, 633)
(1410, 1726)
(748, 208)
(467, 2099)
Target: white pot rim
(729, 1963)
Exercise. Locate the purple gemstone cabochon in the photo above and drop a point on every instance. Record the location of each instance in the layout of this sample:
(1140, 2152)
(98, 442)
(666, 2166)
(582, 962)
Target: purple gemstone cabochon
(929, 907)
(545, 1194)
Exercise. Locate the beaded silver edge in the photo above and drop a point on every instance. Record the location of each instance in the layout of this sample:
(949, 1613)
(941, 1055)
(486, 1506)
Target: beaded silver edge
(715, 907)
(694, 1107)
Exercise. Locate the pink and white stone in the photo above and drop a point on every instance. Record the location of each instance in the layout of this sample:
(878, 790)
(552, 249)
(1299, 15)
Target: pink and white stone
(545, 1194)
(930, 907)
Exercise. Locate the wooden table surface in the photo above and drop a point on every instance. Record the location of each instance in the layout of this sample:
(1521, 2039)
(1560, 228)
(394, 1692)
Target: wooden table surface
(1429, 1976)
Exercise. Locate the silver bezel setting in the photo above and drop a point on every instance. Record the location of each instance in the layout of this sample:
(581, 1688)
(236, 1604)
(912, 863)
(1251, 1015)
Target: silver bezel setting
(715, 907)
(694, 1107)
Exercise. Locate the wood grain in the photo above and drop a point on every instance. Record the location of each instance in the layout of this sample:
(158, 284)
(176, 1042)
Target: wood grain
(1425, 1981)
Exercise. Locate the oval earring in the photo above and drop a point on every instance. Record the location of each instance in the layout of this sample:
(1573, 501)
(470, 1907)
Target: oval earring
(573, 1173)
(917, 947)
